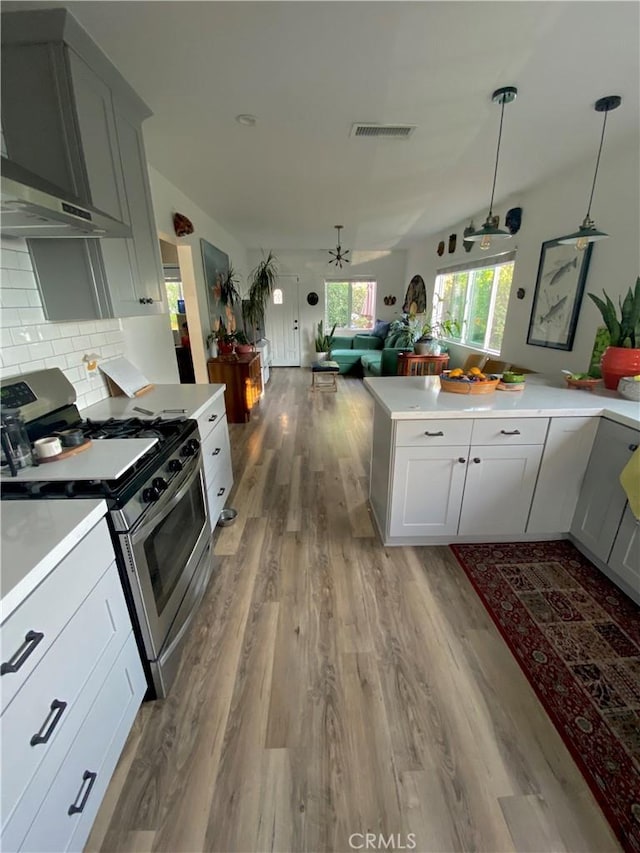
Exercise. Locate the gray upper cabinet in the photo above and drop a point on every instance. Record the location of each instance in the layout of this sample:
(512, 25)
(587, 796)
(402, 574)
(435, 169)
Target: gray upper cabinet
(70, 117)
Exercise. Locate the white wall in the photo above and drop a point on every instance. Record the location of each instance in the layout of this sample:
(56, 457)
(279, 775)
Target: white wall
(167, 200)
(553, 209)
(29, 342)
(387, 268)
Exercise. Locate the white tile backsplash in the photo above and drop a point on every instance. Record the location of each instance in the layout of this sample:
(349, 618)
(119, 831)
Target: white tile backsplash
(29, 342)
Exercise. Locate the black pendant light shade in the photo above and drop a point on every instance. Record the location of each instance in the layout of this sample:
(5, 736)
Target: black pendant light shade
(339, 257)
(588, 233)
(489, 231)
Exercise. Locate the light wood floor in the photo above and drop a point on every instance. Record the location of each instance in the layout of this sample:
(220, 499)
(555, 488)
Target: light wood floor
(334, 687)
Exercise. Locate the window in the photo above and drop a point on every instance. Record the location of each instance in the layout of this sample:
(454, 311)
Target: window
(277, 296)
(476, 295)
(350, 304)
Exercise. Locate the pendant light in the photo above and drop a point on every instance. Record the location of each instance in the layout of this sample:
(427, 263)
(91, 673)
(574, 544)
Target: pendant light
(339, 256)
(588, 233)
(489, 230)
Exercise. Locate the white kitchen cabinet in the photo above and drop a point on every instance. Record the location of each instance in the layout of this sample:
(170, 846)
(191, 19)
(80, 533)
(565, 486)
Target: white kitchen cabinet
(216, 457)
(602, 498)
(499, 489)
(624, 560)
(70, 118)
(426, 493)
(564, 462)
(445, 486)
(86, 658)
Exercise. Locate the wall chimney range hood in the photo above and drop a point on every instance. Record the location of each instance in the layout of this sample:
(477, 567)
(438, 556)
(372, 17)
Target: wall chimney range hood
(30, 207)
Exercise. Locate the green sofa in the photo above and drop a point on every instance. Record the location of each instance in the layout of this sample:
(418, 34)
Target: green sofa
(365, 354)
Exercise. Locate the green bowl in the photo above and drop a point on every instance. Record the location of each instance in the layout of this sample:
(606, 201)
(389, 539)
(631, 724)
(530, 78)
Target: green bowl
(512, 378)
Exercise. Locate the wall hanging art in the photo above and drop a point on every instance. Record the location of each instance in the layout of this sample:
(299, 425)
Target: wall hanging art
(415, 302)
(513, 220)
(216, 269)
(562, 272)
(468, 244)
(453, 239)
(312, 298)
(440, 248)
(182, 225)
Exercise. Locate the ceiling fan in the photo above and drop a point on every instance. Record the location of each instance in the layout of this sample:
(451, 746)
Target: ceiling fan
(339, 257)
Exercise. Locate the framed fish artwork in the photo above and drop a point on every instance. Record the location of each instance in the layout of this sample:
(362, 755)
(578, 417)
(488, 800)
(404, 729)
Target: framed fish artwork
(562, 272)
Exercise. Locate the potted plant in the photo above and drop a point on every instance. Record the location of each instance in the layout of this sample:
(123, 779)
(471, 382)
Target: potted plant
(323, 342)
(427, 343)
(622, 356)
(229, 293)
(243, 346)
(261, 283)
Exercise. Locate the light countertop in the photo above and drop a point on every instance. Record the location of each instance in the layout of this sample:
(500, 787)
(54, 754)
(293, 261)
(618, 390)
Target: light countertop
(34, 537)
(104, 460)
(407, 398)
(189, 400)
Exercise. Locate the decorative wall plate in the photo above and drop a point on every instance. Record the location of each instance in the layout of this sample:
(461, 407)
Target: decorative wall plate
(440, 249)
(453, 239)
(312, 298)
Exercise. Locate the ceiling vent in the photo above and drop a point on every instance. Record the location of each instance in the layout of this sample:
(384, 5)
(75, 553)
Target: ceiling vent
(382, 131)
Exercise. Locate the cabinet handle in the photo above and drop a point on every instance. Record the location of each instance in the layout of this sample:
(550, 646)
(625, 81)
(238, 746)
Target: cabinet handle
(633, 447)
(212, 418)
(50, 723)
(216, 451)
(31, 640)
(461, 459)
(434, 434)
(477, 460)
(221, 491)
(509, 432)
(87, 776)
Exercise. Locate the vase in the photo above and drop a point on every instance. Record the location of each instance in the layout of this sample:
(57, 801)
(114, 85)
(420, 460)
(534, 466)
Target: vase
(618, 362)
(322, 356)
(427, 347)
(244, 349)
(225, 348)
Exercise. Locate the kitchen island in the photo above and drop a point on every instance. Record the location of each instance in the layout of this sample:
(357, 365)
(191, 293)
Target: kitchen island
(501, 467)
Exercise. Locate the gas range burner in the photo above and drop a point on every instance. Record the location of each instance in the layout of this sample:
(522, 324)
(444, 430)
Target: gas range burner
(132, 428)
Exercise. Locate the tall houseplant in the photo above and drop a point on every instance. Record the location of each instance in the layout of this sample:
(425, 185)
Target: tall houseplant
(261, 283)
(622, 356)
(323, 341)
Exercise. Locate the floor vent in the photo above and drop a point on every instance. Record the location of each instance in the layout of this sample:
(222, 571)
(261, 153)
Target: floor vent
(383, 131)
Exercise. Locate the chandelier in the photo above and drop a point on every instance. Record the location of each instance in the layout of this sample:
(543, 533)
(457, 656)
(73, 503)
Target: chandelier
(339, 256)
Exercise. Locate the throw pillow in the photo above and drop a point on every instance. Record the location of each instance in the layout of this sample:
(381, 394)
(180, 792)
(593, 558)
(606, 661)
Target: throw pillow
(381, 329)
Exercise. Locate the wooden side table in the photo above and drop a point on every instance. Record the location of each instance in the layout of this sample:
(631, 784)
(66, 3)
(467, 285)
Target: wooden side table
(242, 374)
(410, 364)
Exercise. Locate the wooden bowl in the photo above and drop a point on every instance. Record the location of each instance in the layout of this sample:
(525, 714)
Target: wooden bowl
(455, 386)
(584, 384)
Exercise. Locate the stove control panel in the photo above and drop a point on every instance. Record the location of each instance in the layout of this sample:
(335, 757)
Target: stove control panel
(16, 396)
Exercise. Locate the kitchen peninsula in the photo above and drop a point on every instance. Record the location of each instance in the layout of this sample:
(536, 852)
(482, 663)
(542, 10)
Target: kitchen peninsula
(504, 467)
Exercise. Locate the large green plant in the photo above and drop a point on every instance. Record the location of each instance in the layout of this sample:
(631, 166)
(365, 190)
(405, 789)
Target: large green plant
(261, 283)
(323, 341)
(624, 329)
(229, 293)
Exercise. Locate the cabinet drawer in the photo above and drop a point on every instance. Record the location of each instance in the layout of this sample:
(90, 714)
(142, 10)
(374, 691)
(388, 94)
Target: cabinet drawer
(88, 766)
(216, 451)
(433, 433)
(212, 415)
(510, 431)
(47, 610)
(44, 707)
(218, 491)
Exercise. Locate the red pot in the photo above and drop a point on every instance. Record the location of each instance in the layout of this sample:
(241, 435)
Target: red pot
(224, 348)
(244, 349)
(618, 362)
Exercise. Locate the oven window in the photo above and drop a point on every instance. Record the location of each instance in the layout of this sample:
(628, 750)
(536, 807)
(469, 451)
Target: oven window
(171, 543)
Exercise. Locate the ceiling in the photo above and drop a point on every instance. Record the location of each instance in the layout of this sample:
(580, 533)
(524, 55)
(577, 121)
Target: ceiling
(308, 70)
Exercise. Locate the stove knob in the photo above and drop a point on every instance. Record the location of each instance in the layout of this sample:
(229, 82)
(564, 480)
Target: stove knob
(191, 447)
(160, 484)
(175, 465)
(150, 494)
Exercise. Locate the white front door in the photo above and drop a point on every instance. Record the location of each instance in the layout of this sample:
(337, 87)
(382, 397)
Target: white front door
(281, 320)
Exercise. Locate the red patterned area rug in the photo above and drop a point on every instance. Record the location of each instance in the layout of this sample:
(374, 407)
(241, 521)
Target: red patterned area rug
(576, 636)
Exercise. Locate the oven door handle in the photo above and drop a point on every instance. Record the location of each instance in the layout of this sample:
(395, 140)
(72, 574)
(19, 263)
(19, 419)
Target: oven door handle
(159, 516)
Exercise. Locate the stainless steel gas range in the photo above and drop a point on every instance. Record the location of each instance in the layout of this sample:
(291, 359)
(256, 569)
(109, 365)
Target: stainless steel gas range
(158, 514)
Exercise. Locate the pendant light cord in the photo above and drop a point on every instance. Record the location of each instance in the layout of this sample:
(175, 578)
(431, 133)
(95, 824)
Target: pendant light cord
(495, 171)
(595, 175)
